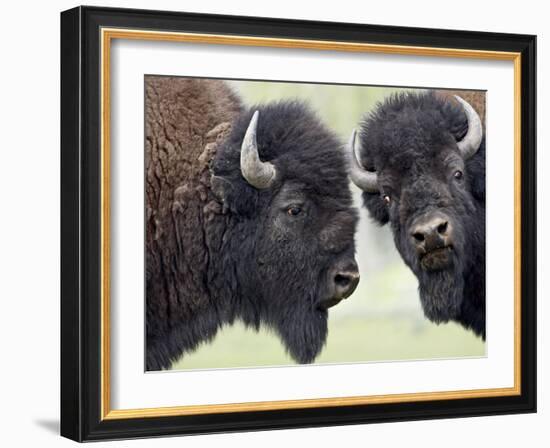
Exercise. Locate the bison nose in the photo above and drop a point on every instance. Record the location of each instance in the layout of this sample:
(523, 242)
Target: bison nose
(431, 232)
(346, 279)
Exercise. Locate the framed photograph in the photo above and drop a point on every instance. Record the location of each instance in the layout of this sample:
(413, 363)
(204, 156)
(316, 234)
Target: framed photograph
(276, 224)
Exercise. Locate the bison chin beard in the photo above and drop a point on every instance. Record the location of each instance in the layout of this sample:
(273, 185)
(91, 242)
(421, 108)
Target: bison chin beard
(304, 333)
(441, 294)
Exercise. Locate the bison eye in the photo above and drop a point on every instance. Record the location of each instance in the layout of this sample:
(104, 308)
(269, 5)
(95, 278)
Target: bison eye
(294, 210)
(387, 199)
(458, 175)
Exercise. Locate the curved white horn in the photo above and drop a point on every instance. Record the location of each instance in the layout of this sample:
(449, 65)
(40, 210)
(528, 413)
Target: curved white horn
(365, 180)
(469, 145)
(257, 173)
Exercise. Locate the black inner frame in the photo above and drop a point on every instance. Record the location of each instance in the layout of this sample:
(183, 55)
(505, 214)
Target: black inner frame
(81, 224)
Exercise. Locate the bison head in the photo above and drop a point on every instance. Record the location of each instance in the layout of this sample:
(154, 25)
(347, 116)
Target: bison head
(419, 159)
(282, 177)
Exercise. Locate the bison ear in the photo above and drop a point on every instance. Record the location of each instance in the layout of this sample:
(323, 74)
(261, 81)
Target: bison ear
(478, 189)
(233, 196)
(476, 174)
(376, 207)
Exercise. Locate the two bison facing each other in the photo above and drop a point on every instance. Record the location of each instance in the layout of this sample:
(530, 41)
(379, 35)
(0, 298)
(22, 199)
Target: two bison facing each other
(249, 216)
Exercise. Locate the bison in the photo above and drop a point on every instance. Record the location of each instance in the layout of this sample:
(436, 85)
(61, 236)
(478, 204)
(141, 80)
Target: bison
(420, 160)
(249, 217)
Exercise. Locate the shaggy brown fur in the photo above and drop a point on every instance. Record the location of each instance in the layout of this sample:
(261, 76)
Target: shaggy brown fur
(178, 193)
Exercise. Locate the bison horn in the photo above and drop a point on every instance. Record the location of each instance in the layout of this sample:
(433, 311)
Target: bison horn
(257, 173)
(365, 180)
(469, 145)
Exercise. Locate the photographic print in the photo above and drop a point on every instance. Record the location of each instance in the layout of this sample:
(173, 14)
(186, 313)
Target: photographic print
(297, 223)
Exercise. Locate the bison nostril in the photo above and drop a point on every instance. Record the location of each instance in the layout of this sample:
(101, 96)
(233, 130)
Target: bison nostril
(419, 237)
(345, 283)
(342, 280)
(442, 228)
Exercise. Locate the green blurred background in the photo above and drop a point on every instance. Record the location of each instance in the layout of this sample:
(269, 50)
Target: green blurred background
(382, 320)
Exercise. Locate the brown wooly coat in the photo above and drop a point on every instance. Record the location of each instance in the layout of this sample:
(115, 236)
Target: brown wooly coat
(178, 194)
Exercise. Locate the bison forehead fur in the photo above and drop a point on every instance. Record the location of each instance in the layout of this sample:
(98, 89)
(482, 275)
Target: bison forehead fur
(411, 142)
(219, 249)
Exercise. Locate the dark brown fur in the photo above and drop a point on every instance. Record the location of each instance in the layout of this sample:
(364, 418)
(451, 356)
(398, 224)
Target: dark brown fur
(178, 189)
